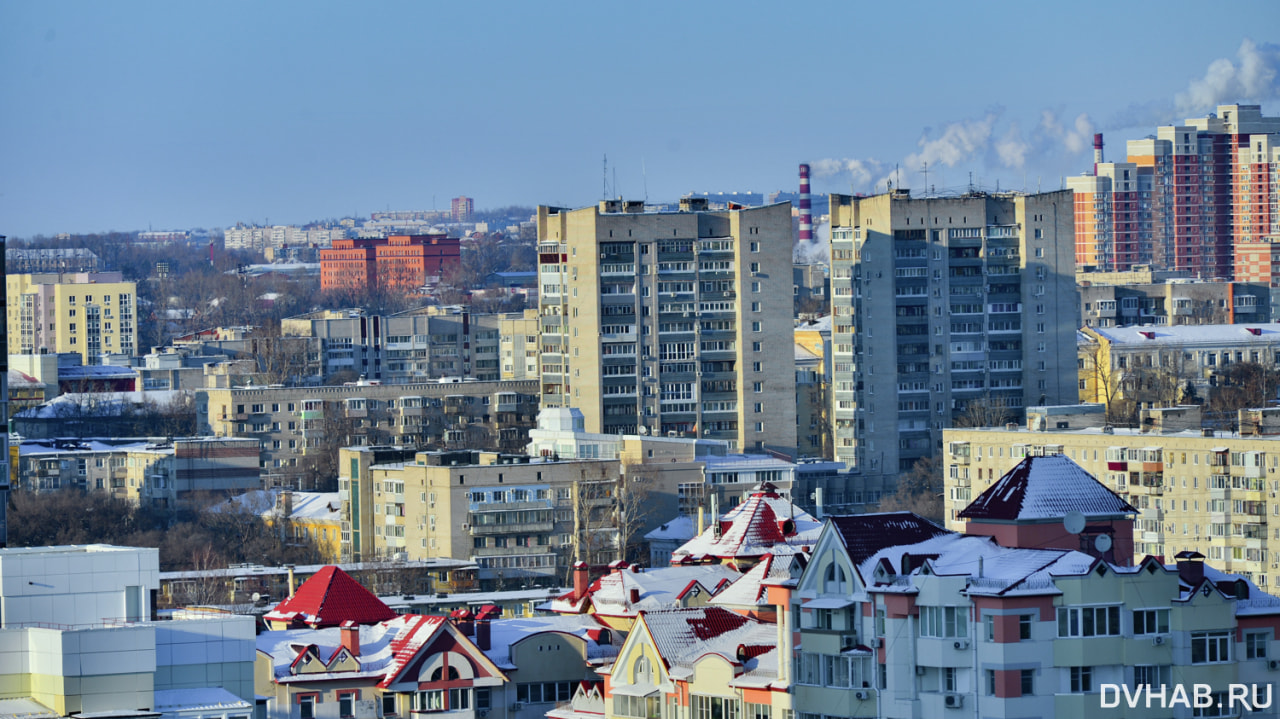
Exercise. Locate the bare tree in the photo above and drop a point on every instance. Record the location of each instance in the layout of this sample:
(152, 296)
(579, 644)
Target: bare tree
(986, 411)
(920, 490)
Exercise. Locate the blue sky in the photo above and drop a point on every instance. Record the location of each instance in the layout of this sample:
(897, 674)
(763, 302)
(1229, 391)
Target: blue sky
(124, 115)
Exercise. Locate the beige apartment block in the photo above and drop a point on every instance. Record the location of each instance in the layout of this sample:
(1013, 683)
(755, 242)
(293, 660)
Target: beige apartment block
(942, 308)
(289, 422)
(88, 313)
(1197, 490)
(670, 323)
(422, 344)
(518, 519)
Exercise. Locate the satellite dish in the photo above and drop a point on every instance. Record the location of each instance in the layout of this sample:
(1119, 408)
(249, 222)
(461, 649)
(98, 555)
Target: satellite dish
(1102, 542)
(1073, 522)
(643, 429)
(256, 596)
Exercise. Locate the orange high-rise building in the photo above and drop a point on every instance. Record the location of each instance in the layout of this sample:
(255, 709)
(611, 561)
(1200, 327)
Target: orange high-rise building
(401, 262)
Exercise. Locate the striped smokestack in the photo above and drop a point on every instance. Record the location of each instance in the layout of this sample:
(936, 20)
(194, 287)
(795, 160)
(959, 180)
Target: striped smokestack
(806, 212)
(1097, 152)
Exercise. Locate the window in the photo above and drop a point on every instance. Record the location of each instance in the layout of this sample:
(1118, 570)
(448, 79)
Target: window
(346, 704)
(1150, 621)
(1151, 676)
(307, 706)
(991, 682)
(1024, 626)
(949, 679)
(713, 708)
(835, 581)
(1081, 679)
(1028, 677)
(388, 704)
(545, 692)
(944, 622)
(1255, 645)
(1210, 647)
(1088, 621)
(989, 627)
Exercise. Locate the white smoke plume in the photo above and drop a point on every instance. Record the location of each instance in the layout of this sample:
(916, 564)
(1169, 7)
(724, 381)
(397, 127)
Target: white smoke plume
(1224, 82)
(1075, 138)
(958, 142)
(1012, 149)
(860, 171)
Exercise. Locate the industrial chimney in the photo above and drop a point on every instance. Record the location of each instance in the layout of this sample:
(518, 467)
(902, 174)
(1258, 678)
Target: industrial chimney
(806, 210)
(1097, 152)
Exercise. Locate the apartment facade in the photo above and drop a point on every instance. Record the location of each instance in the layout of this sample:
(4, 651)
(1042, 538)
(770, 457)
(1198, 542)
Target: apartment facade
(86, 313)
(422, 344)
(1109, 236)
(664, 322)
(1178, 302)
(942, 306)
(517, 519)
(290, 422)
(1199, 491)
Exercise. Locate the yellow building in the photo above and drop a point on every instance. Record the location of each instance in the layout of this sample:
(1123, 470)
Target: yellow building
(88, 313)
(1197, 490)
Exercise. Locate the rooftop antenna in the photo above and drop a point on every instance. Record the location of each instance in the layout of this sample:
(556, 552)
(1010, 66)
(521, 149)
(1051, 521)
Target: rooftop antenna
(644, 176)
(926, 173)
(604, 180)
(970, 180)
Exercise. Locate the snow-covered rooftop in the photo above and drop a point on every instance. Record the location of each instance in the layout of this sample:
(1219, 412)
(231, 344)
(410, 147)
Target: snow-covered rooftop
(1045, 488)
(1184, 335)
(767, 523)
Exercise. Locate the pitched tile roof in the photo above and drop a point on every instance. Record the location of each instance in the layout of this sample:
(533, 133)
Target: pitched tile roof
(754, 528)
(681, 636)
(329, 598)
(1046, 488)
(865, 534)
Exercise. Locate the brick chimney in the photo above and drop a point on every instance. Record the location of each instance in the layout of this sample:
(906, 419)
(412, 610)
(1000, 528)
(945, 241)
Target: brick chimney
(634, 595)
(482, 634)
(581, 579)
(350, 632)
(1190, 567)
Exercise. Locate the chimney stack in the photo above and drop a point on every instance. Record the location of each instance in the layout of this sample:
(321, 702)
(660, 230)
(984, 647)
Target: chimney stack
(350, 632)
(581, 580)
(291, 584)
(634, 595)
(1190, 567)
(806, 210)
(1097, 152)
(482, 634)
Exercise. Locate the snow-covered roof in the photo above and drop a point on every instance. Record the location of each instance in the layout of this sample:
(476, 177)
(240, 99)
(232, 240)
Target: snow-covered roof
(681, 529)
(199, 699)
(329, 598)
(97, 404)
(1234, 334)
(682, 636)
(95, 372)
(767, 523)
(1045, 488)
(505, 632)
(750, 589)
(656, 589)
(385, 647)
(821, 324)
(26, 708)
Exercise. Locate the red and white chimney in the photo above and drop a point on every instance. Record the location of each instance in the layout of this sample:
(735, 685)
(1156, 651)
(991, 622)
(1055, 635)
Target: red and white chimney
(1097, 152)
(806, 209)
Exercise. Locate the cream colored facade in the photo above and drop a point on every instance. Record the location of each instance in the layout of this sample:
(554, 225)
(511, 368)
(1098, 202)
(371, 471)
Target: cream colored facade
(1216, 495)
(516, 519)
(90, 314)
(670, 322)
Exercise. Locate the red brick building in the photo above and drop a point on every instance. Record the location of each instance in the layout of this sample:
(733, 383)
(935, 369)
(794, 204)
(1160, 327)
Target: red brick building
(397, 262)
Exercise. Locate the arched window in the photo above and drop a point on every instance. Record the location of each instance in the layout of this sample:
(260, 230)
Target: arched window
(835, 580)
(643, 671)
(438, 674)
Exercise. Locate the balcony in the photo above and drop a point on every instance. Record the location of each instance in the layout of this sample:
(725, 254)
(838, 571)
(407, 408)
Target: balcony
(478, 530)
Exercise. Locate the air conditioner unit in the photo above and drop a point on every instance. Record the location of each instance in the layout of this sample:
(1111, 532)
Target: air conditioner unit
(1157, 641)
(920, 671)
(961, 644)
(862, 695)
(954, 701)
(1273, 664)
(482, 713)
(878, 642)
(465, 526)
(516, 706)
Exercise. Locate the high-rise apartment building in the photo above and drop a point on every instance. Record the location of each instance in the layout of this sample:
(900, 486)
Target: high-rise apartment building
(1186, 198)
(4, 408)
(90, 314)
(461, 208)
(945, 310)
(670, 322)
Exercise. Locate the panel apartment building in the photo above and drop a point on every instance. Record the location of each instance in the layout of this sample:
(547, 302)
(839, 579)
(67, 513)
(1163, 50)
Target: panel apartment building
(670, 322)
(291, 422)
(942, 307)
(88, 313)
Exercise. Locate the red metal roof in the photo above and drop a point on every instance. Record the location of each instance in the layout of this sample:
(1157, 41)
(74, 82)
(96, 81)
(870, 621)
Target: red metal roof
(329, 598)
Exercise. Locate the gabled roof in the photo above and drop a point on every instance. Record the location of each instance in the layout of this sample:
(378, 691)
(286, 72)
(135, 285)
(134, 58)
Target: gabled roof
(329, 598)
(865, 534)
(1045, 488)
(767, 523)
(751, 589)
(682, 636)
(386, 648)
(662, 588)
